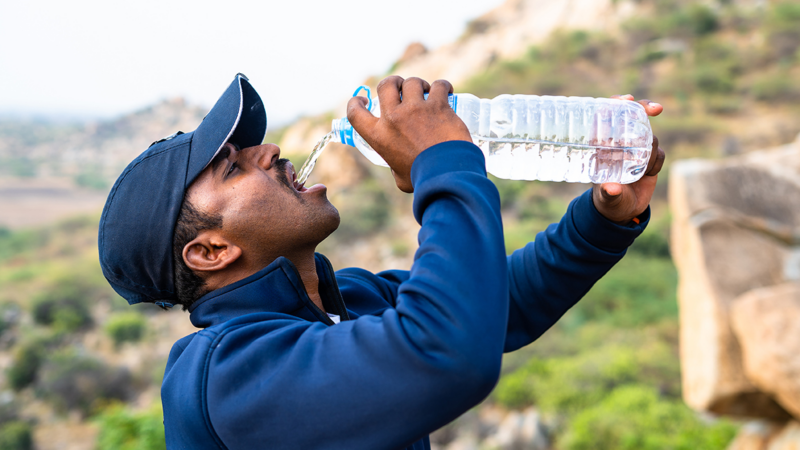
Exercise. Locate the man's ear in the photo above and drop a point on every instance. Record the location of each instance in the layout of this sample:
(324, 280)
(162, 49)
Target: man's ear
(210, 252)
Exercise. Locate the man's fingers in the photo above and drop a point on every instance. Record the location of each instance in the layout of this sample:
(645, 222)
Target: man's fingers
(440, 89)
(652, 108)
(611, 191)
(360, 117)
(414, 88)
(389, 92)
(657, 159)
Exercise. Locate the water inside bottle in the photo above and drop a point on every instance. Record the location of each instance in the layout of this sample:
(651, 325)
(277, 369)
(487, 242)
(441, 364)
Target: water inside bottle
(308, 166)
(554, 161)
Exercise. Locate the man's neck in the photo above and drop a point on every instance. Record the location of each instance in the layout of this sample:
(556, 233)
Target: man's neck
(307, 268)
(304, 262)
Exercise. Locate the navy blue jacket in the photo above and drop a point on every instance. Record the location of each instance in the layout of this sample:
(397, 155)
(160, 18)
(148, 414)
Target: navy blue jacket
(415, 349)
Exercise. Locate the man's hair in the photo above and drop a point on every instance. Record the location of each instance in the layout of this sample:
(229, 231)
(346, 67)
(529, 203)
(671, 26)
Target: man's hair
(188, 285)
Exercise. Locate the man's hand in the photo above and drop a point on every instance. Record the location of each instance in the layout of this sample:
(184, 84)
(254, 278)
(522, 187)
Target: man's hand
(620, 203)
(409, 125)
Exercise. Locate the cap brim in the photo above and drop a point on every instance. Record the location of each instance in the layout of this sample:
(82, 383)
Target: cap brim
(238, 116)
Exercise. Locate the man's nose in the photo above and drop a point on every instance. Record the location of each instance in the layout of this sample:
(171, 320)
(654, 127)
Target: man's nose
(265, 155)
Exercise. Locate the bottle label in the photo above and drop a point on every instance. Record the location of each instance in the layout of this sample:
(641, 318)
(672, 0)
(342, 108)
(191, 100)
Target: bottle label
(346, 133)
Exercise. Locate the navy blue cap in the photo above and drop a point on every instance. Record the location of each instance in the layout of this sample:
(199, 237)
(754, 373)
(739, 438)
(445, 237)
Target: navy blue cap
(138, 221)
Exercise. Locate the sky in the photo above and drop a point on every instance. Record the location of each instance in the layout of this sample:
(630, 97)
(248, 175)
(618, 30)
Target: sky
(98, 59)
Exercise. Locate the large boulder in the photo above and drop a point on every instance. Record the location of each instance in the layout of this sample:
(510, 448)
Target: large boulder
(767, 324)
(735, 224)
(763, 435)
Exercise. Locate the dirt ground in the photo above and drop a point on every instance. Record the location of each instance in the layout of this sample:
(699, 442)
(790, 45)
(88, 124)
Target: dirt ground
(26, 202)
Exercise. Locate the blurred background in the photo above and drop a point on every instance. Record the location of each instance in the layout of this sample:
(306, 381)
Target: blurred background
(691, 342)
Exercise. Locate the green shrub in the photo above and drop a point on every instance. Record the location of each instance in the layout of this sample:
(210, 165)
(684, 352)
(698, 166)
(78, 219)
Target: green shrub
(64, 306)
(640, 30)
(26, 360)
(692, 20)
(21, 167)
(714, 78)
(636, 418)
(776, 88)
(14, 243)
(783, 29)
(654, 241)
(672, 130)
(9, 315)
(73, 382)
(126, 327)
(723, 104)
(364, 209)
(92, 178)
(637, 291)
(123, 429)
(569, 384)
(16, 435)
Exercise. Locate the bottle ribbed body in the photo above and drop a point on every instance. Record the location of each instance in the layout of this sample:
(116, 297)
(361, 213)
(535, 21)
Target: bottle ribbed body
(529, 137)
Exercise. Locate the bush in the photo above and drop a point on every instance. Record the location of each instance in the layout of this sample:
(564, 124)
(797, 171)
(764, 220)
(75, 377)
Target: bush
(26, 360)
(693, 20)
(783, 29)
(674, 130)
(126, 327)
(16, 435)
(569, 384)
(72, 382)
(63, 306)
(14, 243)
(635, 417)
(22, 167)
(637, 291)
(776, 88)
(714, 78)
(9, 315)
(123, 429)
(363, 209)
(92, 178)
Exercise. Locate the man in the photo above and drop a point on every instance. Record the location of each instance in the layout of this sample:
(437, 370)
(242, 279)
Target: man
(293, 355)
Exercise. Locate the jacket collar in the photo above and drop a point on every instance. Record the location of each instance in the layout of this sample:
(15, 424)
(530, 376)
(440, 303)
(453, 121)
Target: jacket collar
(276, 288)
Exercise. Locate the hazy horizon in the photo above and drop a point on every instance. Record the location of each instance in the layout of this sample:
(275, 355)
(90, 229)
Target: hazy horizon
(90, 60)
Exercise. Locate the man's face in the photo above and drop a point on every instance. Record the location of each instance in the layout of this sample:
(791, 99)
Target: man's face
(263, 210)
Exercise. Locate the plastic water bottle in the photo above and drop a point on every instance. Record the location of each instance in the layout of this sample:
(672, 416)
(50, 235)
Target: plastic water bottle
(530, 137)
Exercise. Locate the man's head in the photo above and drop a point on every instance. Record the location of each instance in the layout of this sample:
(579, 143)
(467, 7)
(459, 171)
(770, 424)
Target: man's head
(215, 197)
(251, 211)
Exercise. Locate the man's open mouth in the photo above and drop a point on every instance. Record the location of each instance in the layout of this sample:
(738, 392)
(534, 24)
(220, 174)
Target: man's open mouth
(297, 186)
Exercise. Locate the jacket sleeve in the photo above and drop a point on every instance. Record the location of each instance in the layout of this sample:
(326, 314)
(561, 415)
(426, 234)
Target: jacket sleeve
(382, 381)
(549, 275)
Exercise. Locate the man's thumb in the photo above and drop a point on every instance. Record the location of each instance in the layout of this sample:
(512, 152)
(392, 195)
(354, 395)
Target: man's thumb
(611, 191)
(359, 116)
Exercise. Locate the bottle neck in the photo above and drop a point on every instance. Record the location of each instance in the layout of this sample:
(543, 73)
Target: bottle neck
(343, 131)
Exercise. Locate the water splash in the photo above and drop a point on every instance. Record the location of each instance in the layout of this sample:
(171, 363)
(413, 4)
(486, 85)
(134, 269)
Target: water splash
(308, 166)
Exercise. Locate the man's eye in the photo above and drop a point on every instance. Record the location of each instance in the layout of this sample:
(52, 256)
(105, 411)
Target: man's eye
(233, 166)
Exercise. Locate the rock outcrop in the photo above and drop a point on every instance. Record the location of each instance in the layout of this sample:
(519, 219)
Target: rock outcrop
(736, 243)
(767, 323)
(761, 435)
(507, 31)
